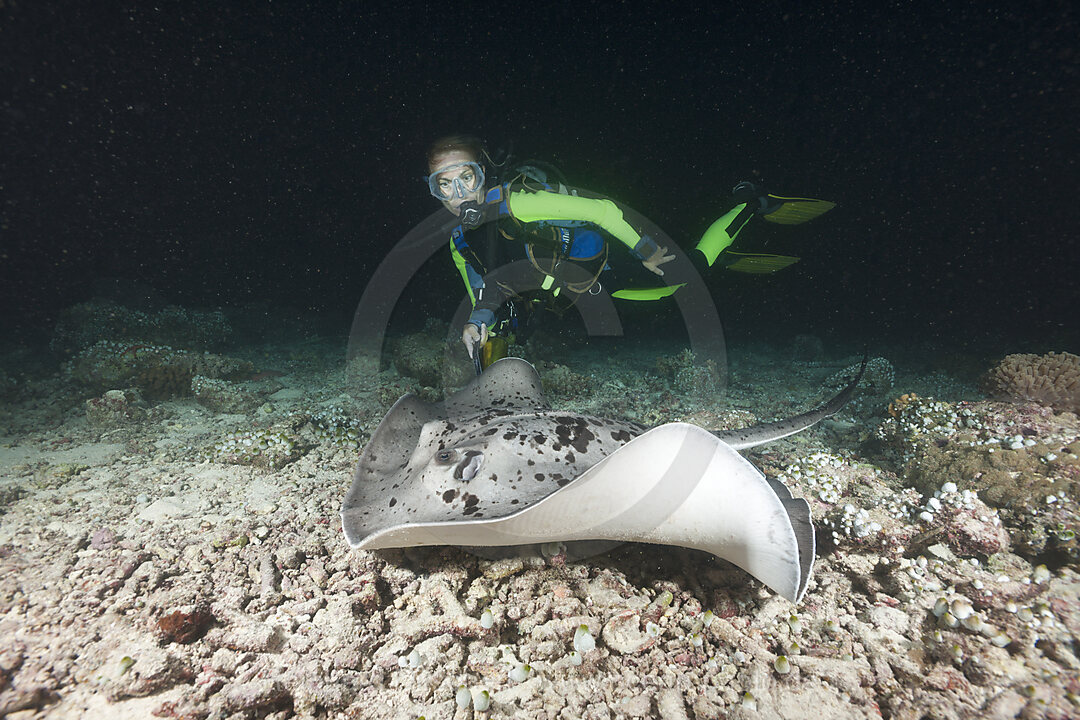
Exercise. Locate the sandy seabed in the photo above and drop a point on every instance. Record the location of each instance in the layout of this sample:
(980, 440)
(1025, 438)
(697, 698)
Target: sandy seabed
(140, 579)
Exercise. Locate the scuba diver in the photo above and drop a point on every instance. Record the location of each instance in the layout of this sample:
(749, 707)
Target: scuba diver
(563, 237)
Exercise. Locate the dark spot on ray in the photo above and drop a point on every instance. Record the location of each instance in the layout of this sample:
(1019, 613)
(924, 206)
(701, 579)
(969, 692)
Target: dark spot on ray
(469, 510)
(514, 501)
(562, 481)
(621, 436)
(494, 477)
(470, 500)
(531, 462)
(449, 495)
(393, 502)
(509, 435)
(539, 476)
(556, 447)
(570, 457)
(576, 434)
(490, 431)
(539, 439)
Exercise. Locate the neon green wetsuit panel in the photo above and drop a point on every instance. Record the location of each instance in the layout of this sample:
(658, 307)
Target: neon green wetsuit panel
(461, 263)
(534, 206)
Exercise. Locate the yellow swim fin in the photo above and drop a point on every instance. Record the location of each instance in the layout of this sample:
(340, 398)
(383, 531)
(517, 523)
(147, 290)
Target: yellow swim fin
(757, 264)
(793, 211)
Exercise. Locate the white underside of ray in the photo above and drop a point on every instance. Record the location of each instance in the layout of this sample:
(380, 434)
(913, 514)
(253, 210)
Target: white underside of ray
(674, 485)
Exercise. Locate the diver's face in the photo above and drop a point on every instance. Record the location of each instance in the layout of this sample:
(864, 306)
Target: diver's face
(458, 185)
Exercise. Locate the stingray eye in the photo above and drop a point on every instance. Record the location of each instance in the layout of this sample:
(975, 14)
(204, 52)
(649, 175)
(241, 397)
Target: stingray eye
(444, 456)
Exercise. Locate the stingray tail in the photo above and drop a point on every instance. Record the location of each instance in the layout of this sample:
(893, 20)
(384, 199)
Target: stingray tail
(768, 432)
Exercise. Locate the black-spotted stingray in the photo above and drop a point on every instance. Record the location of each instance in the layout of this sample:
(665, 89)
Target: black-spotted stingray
(495, 466)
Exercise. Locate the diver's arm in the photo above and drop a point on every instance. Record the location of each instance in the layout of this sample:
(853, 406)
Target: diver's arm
(488, 301)
(469, 275)
(529, 206)
(484, 306)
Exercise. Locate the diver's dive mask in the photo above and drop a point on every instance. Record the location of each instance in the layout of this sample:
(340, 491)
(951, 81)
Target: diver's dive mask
(456, 181)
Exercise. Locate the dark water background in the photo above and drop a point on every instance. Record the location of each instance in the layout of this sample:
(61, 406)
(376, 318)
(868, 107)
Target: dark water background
(269, 154)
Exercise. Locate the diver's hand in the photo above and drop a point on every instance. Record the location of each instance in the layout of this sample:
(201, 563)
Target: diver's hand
(474, 337)
(656, 259)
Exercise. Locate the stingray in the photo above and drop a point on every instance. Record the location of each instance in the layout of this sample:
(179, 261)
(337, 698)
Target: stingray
(495, 466)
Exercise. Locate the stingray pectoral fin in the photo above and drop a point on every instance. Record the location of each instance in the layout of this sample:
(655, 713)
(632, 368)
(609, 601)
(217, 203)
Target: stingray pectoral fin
(798, 511)
(679, 485)
(674, 485)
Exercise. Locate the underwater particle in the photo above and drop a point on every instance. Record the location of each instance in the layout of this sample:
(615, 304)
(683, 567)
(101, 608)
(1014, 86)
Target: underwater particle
(707, 618)
(794, 623)
(414, 659)
(125, 664)
(1025, 614)
(1000, 639)
(521, 673)
(949, 620)
(664, 599)
(583, 639)
(575, 657)
(463, 697)
(696, 640)
(652, 629)
(749, 701)
(782, 665)
(831, 626)
(957, 653)
(482, 701)
(487, 620)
